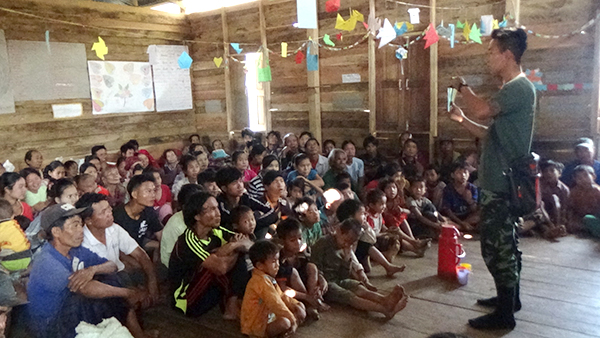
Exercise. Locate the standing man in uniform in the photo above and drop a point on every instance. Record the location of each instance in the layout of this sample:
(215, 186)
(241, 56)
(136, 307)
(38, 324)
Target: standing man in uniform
(508, 131)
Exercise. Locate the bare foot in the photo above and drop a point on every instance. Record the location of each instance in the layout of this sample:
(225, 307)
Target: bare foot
(394, 297)
(399, 307)
(323, 306)
(395, 269)
(312, 313)
(370, 286)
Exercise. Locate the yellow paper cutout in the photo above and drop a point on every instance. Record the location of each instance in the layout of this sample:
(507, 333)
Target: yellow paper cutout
(284, 49)
(495, 24)
(467, 31)
(345, 25)
(100, 48)
(409, 26)
(358, 15)
(218, 61)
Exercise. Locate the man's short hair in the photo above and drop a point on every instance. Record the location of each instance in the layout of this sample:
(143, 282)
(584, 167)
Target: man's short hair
(458, 165)
(583, 168)
(416, 179)
(347, 142)
(95, 149)
(514, 40)
(348, 209)
(192, 136)
(544, 165)
(370, 140)
(137, 180)
(227, 175)
(270, 176)
(247, 132)
(262, 250)
(87, 201)
(127, 146)
(287, 226)
(207, 176)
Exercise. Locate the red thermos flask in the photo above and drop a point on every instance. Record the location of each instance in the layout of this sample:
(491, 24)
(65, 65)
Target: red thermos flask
(449, 252)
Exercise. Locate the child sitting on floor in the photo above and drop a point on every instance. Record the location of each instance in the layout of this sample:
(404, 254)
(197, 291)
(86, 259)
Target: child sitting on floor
(388, 241)
(239, 159)
(435, 186)
(347, 282)
(424, 219)
(295, 190)
(295, 270)
(555, 195)
(460, 199)
(584, 202)
(266, 310)
(308, 214)
(243, 223)
(395, 215)
(366, 244)
(87, 183)
(304, 170)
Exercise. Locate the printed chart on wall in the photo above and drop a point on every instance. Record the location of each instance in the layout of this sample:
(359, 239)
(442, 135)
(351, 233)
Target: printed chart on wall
(7, 101)
(172, 84)
(121, 87)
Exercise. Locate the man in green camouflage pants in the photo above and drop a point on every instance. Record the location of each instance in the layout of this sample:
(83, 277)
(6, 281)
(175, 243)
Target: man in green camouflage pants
(507, 131)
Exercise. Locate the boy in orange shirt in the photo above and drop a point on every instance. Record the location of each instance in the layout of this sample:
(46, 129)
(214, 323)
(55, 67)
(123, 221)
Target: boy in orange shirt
(266, 310)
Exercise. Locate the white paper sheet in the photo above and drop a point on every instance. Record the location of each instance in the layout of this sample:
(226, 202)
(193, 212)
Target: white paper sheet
(172, 85)
(67, 110)
(307, 14)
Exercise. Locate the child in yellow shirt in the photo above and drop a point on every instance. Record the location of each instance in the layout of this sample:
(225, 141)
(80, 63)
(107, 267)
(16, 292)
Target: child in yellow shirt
(266, 310)
(14, 245)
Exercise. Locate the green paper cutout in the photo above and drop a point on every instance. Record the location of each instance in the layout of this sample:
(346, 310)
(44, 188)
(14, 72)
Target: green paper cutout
(459, 24)
(475, 34)
(264, 74)
(327, 40)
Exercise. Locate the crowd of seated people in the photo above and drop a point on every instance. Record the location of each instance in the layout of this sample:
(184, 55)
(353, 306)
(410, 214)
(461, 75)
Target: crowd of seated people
(273, 230)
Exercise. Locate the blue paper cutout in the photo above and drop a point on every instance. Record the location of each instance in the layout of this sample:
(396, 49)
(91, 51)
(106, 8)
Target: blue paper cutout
(503, 23)
(312, 61)
(48, 40)
(452, 28)
(399, 31)
(237, 48)
(184, 61)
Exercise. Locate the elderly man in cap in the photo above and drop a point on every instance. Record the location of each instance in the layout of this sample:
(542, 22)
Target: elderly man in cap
(65, 285)
(585, 153)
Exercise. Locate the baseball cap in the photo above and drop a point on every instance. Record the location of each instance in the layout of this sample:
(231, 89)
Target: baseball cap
(585, 142)
(56, 212)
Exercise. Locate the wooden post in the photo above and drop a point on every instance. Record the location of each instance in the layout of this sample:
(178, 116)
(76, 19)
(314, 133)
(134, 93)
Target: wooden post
(228, 93)
(314, 93)
(266, 85)
(372, 77)
(596, 94)
(433, 86)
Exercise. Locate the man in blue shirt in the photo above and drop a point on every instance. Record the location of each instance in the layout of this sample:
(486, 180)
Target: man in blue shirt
(584, 151)
(63, 287)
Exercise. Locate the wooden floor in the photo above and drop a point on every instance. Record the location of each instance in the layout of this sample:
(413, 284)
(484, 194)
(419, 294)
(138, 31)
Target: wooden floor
(560, 290)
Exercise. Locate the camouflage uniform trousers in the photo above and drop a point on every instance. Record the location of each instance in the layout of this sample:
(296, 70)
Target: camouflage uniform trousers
(499, 240)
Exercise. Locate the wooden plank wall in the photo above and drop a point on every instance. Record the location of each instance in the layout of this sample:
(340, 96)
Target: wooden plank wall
(127, 31)
(562, 116)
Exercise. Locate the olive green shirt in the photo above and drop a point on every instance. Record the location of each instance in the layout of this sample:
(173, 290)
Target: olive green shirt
(510, 134)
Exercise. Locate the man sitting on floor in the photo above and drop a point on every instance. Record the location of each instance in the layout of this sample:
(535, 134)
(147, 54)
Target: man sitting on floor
(65, 288)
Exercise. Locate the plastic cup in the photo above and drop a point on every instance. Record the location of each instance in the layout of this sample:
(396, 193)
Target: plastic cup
(462, 275)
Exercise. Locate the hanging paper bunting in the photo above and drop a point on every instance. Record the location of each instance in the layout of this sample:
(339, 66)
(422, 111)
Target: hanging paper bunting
(431, 36)
(460, 24)
(339, 36)
(414, 15)
(299, 57)
(312, 60)
(504, 23)
(466, 31)
(332, 6)
(218, 61)
(327, 40)
(100, 48)
(401, 53)
(358, 15)
(443, 31)
(452, 34)
(236, 47)
(48, 41)
(345, 25)
(386, 34)
(374, 24)
(284, 49)
(400, 28)
(475, 34)
(495, 24)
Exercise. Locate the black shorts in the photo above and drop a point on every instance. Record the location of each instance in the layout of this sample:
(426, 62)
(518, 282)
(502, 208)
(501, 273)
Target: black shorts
(362, 250)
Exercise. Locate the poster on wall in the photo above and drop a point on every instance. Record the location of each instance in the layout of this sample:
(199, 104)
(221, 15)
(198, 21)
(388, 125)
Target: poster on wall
(7, 101)
(41, 73)
(121, 87)
(172, 83)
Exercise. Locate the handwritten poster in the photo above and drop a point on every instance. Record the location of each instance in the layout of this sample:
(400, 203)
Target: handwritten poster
(172, 84)
(121, 87)
(7, 101)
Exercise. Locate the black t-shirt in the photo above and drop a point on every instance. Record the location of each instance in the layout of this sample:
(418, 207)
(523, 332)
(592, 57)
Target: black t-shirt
(139, 229)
